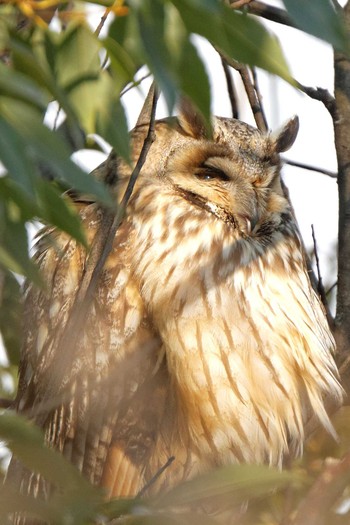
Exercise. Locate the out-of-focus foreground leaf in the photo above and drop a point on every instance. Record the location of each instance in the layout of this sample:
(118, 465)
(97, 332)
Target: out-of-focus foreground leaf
(75, 501)
(237, 482)
(318, 18)
(10, 316)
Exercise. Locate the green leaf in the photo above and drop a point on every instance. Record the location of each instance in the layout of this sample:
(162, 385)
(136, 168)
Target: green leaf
(20, 87)
(239, 481)
(13, 156)
(76, 501)
(11, 191)
(10, 317)
(26, 442)
(150, 17)
(112, 125)
(318, 18)
(44, 145)
(35, 66)
(57, 210)
(236, 34)
(14, 242)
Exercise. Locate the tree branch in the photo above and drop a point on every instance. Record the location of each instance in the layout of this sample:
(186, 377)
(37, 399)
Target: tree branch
(67, 346)
(230, 88)
(342, 143)
(315, 507)
(250, 89)
(322, 95)
(275, 14)
(308, 167)
(320, 287)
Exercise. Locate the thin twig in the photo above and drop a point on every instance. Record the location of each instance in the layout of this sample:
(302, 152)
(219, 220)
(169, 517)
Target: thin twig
(320, 287)
(155, 477)
(230, 88)
(134, 84)
(308, 167)
(331, 288)
(66, 348)
(102, 22)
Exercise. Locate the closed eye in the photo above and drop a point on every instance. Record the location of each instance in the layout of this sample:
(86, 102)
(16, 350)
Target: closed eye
(207, 173)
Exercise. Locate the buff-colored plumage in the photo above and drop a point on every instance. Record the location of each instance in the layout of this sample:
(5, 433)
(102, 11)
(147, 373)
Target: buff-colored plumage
(205, 340)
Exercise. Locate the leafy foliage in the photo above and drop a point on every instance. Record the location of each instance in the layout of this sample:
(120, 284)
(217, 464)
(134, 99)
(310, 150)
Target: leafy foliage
(84, 74)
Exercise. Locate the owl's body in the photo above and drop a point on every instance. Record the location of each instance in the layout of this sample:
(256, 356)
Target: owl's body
(205, 340)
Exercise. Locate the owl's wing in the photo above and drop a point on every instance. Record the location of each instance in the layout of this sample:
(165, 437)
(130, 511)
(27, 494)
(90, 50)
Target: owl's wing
(111, 401)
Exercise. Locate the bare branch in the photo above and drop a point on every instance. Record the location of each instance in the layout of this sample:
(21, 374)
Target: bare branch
(258, 95)
(134, 84)
(249, 88)
(230, 88)
(102, 21)
(308, 167)
(322, 95)
(315, 507)
(320, 287)
(99, 252)
(275, 14)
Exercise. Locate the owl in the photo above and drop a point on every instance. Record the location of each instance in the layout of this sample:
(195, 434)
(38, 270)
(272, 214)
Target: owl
(204, 340)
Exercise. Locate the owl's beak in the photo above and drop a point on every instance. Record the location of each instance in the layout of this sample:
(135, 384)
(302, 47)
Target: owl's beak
(253, 222)
(247, 223)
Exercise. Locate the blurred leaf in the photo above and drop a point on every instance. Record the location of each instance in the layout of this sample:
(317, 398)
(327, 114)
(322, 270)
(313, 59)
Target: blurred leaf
(26, 441)
(13, 501)
(238, 35)
(150, 16)
(20, 87)
(239, 482)
(14, 242)
(57, 210)
(113, 126)
(319, 18)
(10, 191)
(44, 145)
(35, 66)
(14, 158)
(76, 501)
(10, 317)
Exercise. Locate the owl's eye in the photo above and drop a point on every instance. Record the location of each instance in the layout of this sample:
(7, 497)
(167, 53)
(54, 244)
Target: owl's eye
(207, 173)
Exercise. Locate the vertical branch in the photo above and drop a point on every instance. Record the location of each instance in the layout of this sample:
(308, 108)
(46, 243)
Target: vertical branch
(230, 88)
(342, 144)
(320, 287)
(250, 89)
(258, 96)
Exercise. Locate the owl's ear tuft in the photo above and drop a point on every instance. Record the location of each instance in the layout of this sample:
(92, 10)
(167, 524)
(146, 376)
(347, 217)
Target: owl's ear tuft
(191, 121)
(284, 138)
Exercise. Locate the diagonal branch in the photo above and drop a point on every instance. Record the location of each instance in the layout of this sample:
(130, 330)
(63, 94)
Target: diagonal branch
(67, 346)
(308, 167)
(328, 487)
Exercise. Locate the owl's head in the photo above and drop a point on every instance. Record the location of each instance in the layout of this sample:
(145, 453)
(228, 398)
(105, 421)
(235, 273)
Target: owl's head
(233, 173)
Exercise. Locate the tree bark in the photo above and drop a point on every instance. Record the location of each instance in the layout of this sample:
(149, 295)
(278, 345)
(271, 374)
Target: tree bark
(342, 143)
